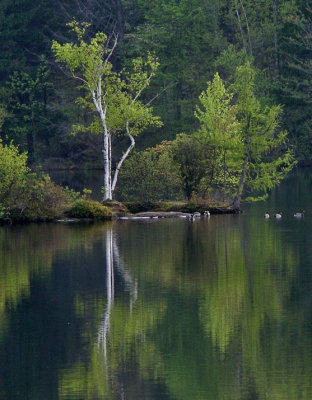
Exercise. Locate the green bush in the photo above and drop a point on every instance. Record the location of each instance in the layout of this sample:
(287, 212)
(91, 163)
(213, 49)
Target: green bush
(13, 170)
(84, 208)
(28, 196)
(38, 198)
(150, 176)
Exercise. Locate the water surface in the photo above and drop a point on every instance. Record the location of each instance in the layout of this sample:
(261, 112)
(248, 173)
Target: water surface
(217, 309)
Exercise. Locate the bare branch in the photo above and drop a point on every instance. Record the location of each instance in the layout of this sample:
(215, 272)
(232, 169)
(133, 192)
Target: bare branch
(158, 94)
(111, 50)
(78, 77)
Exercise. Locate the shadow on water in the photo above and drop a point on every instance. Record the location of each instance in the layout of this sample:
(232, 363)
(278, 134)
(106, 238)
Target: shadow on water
(160, 309)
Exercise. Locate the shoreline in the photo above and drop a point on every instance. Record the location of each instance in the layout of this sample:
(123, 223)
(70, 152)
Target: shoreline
(159, 214)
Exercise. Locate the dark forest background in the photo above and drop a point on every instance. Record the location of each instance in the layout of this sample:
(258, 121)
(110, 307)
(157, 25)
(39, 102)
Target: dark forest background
(192, 39)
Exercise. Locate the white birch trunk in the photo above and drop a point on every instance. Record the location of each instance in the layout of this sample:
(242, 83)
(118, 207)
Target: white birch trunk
(125, 155)
(107, 166)
(97, 101)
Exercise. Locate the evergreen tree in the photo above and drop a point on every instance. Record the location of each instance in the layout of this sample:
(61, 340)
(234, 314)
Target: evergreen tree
(245, 135)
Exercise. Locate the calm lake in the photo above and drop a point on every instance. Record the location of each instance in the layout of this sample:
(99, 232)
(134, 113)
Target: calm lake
(217, 309)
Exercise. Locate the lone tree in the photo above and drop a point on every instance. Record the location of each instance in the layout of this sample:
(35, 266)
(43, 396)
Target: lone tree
(251, 151)
(113, 96)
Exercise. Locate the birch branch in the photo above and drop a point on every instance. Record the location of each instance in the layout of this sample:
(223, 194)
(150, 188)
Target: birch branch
(158, 94)
(110, 53)
(125, 155)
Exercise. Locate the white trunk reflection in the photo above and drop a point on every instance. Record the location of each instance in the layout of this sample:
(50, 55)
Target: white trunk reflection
(114, 262)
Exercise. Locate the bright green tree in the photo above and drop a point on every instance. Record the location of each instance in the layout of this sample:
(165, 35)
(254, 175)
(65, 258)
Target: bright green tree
(114, 96)
(220, 128)
(251, 148)
(13, 168)
(267, 159)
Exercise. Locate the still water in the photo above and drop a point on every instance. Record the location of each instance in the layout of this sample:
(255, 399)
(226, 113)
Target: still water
(217, 309)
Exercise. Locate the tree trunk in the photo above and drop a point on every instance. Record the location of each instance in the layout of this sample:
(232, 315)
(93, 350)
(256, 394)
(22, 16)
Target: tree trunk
(238, 197)
(240, 25)
(247, 27)
(107, 166)
(107, 156)
(241, 186)
(276, 49)
(30, 146)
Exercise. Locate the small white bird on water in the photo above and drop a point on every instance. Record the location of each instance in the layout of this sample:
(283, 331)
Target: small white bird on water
(266, 215)
(299, 214)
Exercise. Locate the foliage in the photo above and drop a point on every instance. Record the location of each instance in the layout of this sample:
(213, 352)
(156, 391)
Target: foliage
(3, 115)
(249, 146)
(25, 195)
(150, 176)
(113, 95)
(267, 156)
(83, 208)
(220, 128)
(192, 40)
(26, 105)
(195, 164)
(13, 170)
(186, 36)
(37, 198)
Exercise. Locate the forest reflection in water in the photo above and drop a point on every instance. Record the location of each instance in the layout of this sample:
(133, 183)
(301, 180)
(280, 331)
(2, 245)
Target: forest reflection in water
(167, 309)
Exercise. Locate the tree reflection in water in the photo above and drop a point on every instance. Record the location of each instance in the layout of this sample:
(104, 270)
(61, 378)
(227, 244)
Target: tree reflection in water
(218, 309)
(113, 261)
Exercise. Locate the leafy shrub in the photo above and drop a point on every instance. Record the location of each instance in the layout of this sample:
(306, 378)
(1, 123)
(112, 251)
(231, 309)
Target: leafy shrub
(83, 208)
(3, 212)
(25, 195)
(193, 158)
(38, 198)
(150, 176)
(13, 169)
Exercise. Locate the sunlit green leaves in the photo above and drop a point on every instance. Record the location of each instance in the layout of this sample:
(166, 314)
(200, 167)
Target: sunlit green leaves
(13, 169)
(249, 146)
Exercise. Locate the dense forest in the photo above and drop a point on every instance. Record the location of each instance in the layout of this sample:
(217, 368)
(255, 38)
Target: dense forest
(194, 42)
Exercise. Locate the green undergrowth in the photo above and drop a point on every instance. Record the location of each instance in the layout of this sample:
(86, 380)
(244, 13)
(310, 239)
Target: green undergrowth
(178, 206)
(83, 208)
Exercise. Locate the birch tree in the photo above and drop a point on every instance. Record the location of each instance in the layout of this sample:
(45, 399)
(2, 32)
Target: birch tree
(113, 96)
